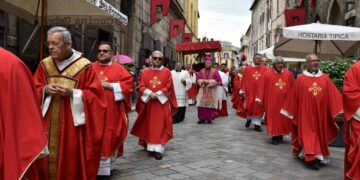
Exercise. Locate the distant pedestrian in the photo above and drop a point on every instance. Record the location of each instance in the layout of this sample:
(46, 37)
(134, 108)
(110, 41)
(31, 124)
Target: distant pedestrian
(155, 106)
(207, 98)
(274, 86)
(182, 83)
(312, 104)
(248, 88)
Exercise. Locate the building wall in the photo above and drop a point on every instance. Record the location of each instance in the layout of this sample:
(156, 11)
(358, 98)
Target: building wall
(191, 14)
(146, 38)
(259, 28)
(277, 19)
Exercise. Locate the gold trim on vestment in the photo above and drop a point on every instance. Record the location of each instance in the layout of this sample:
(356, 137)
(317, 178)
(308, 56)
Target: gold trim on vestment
(65, 78)
(64, 81)
(54, 136)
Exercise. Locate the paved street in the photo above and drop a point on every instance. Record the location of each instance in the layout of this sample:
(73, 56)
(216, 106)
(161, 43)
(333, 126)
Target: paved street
(223, 150)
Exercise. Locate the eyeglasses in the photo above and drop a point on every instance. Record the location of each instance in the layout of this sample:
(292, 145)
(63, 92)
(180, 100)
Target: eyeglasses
(157, 58)
(54, 44)
(103, 50)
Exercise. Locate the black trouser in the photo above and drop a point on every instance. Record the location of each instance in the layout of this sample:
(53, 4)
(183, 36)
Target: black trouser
(180, 115)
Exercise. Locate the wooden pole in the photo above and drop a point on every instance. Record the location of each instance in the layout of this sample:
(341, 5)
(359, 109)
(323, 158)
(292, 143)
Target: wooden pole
(42, 28)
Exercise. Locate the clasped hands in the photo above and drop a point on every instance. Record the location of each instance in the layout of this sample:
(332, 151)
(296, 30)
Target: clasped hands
(56, 89)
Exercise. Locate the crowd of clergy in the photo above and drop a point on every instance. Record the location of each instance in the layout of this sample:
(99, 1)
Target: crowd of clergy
(70, 119)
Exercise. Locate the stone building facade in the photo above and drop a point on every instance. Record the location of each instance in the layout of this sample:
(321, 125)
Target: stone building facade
(145, 38)
(23, 39)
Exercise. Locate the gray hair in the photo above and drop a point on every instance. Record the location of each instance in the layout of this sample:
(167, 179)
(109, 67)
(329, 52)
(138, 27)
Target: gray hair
(63, 31)
(278, 59)
(159, 52)
(309, 56)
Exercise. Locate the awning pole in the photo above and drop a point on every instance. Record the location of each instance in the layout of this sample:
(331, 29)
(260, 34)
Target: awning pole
(42, 28)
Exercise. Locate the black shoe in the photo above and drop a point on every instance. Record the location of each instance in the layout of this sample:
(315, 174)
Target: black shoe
(248, 122)
(209, 122)
(274, 140)
(257, 128)
(157, 156)
(315, 164)
(201, 122)
(174, 121)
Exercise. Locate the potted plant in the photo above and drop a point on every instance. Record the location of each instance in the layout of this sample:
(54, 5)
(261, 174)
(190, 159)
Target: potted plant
(336, 70)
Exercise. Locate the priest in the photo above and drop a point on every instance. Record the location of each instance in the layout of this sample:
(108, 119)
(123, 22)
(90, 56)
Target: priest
(274, 86)
(248, 88)
(312, 104)
(223, 90)
(118, 86)
(73, 106)
(156, 104)
(192, 92)
(351, 97)
(23, 139)
(208, 98)
(182, 83)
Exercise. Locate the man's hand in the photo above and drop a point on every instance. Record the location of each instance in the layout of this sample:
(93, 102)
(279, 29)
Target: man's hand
(153, 96)
(183, 82)
(65, 91)
(52, 89)
(106, 85)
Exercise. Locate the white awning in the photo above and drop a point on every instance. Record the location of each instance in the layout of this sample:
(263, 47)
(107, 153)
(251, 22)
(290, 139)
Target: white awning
(67, 12)
(269, 53)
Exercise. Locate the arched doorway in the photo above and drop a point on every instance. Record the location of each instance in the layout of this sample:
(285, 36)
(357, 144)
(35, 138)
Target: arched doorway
(335, 16)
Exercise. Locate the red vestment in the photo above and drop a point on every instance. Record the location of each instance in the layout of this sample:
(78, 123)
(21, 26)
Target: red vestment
(116, 121)
(249, 85)
(313, 103)
(154, 122)
(78, 147)
(273, 89)
(236, 99)
(351, 97)
(192, 92)
(21, 129)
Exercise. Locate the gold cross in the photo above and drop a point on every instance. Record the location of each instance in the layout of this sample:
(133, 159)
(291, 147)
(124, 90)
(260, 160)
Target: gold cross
(102, 77)
(315, 89)
(280, 83)
(154, 82)
(256, 75)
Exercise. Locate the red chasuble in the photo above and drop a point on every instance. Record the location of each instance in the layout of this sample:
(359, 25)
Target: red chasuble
(351, 96)
(74, 150)
(21, 129)
(249, 85)
(116, 121)
(192, 92)
(272, 92)
(154, 122)
(313, 103)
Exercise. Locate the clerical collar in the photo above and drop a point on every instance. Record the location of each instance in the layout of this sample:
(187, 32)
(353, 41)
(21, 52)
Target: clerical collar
(309, 74)
(105, 64)
(64, 63)
(157, 69)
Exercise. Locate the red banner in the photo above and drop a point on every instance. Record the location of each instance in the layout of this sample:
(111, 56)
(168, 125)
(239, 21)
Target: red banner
(177, 26)
(158, 9)
(313, 3)
(295, 17)
(187, 37)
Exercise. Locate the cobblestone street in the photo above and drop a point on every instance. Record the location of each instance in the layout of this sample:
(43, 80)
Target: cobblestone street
(223, 150)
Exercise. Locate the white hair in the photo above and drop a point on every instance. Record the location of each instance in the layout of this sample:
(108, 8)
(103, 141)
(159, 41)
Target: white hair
(278, 59)
(63, 31)
(158, 52)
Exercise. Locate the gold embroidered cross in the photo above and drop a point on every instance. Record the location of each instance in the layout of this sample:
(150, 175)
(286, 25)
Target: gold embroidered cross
(315, 89)
(280, 83)
(154, 82)
(256, 75)
(103, 77)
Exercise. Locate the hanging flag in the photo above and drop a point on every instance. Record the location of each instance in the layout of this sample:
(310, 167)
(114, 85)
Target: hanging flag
(158, 9)
(295, 17)
(313, 3)
(177, 26)
(187, 37)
